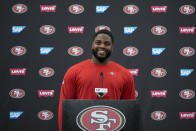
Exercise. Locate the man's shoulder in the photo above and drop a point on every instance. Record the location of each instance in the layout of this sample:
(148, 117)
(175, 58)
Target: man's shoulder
(80, 65)
(120, 67)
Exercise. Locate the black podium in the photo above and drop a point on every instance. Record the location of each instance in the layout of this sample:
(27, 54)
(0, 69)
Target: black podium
(101, 115)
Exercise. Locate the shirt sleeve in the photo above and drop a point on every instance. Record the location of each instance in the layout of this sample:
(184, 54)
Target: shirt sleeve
(129, 88)
(67, 92)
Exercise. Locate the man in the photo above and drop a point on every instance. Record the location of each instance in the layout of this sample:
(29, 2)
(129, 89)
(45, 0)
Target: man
(81, 79)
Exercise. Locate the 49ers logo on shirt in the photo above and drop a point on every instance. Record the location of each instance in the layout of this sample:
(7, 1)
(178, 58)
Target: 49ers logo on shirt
(17, 93)
(187, 9)
(75, 51)
(130, 51)
(159, 30)
(46, 72)
(47, 29)
(187, 94)
(102, 27)
(102, 118)
(76, 9)
(187, 51)
(158, 115)
(18, 50)
(131, 9)
(19, 8)
(45, 115)
(158, 72)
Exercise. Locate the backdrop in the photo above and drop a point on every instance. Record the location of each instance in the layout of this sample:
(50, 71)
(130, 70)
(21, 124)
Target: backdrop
(41, 39)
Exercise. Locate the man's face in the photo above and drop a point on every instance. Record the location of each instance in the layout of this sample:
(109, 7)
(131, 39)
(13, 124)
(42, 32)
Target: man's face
(102, 47)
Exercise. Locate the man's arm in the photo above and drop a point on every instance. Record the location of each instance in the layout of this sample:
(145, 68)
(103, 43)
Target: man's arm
(129, 88)
(67, 92)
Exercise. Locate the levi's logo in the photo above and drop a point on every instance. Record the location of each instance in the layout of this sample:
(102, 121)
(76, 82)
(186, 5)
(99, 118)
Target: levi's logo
(158, 93)
(17, 71)
(158, 9)
(46, 93)
(48, 8)
(187, 30)
(134, 72)
(76, 29)
(187, 115)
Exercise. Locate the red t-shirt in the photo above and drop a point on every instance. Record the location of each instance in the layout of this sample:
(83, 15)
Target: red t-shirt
(81, 80)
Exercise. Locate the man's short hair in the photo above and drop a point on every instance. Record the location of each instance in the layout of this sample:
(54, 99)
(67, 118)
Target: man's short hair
(104, 32)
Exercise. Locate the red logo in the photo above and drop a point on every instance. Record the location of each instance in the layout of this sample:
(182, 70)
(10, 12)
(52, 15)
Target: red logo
(75, 51)
(76, 9)
(48, 8)
(18, 50)
(102, 27)
(187, 115)
(47, 29)
(76, 29)
(46, 93)
(134, 72)
(158, 115)
(159, 30)
(17, 71)
(130, 51)
(19, 8)
(45, 115)
(159, 9)
(46, 72)
(17, 93)
(187, 94)
(158, 93)
(187, 51)
(131, 9)
(187, 30)
(103, 118)
(158, 72)
(187, 9)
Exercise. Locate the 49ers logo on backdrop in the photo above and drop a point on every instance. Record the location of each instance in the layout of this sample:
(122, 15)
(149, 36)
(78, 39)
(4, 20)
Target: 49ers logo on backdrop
(187, 94)
(18, 50)
(131, 9)
(103, 118)
(130, 51)
(19, 8)
(159, 30)
(47, 29)
(45, 115)
(158, 72)
(46, 72)
(76, 9)
(187, 9)
(75, 51)
(102, 27)
(158, 115)
(187, 51)
(17, 93)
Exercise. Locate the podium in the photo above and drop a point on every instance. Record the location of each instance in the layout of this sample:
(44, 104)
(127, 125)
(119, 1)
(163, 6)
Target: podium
(101, 115)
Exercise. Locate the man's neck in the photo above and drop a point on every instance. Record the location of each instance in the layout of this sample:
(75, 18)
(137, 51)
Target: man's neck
(96, 61)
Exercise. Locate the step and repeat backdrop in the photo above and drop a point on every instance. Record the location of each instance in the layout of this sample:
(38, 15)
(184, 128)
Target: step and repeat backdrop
(154, 39)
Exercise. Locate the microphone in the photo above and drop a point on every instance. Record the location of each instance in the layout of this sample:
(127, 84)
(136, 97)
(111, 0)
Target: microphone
(101, 91)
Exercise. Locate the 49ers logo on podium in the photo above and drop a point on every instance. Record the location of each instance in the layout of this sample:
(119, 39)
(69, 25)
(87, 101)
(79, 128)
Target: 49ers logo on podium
(75, 51)
(76, 9)
(47, 29)
(19, 8)
(46, 72)
(100, 118)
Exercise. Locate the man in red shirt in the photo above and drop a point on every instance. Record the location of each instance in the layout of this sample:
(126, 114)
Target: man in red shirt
(99, 72)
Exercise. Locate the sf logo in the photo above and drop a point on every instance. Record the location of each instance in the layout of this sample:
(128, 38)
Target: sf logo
(101, 118)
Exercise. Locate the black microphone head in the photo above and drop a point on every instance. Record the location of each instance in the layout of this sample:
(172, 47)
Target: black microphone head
(101, 74)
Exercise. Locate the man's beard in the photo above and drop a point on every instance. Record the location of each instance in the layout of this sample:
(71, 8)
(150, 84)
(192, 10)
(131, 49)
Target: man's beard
(101, 59)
